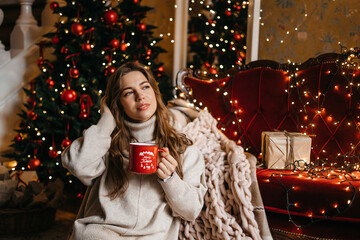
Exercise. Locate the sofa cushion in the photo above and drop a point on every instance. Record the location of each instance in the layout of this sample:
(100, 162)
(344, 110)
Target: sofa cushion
(326, 198)
(298, 203)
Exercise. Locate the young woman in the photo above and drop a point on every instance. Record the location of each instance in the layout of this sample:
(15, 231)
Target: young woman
(120, 204)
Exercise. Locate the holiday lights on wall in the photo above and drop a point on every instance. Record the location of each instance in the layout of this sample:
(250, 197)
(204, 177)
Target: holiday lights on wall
(296, 30)
(289, 31)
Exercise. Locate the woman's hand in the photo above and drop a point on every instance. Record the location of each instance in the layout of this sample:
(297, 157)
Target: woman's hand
(167, 165)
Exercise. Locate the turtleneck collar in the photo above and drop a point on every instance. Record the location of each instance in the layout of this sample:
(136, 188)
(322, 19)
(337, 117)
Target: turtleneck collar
(143, 131)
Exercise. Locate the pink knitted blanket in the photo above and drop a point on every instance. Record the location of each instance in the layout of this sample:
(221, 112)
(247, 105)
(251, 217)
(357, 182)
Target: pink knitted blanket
(228, 211)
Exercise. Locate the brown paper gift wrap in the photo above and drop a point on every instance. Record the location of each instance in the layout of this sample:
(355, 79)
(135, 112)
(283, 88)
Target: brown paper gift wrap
(281, 149)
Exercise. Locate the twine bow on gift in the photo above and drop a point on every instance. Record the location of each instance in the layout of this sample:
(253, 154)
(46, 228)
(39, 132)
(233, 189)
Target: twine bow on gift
(289, 148)
(290, 158)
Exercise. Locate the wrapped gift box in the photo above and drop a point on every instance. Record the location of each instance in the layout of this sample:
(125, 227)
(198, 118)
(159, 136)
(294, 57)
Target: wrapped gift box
(281, 150)
(24, 177)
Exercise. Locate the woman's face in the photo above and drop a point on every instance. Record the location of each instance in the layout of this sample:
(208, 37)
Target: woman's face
(137, 97)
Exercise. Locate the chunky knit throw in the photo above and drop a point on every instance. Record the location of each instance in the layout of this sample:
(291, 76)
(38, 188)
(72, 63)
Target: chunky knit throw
(228, 211)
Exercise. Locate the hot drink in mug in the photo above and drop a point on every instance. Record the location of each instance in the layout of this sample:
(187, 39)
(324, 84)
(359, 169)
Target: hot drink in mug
(143, 157)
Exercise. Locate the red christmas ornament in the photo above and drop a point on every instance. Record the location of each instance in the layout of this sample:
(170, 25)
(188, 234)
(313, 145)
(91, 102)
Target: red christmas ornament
(55, 40)
(17, 138)
(242, 54)
(86, 47)
(142, 27)
(237, 36)
(50, 82)
(53, 154)
(123, 47)
(68, 96)
(114, 43)
(77, 29)
(213, 71)
(74, 72)
(148, 52)
(110, 70)
(31, 115)
(66, 142)
(54, 5)
(228, 13)
(64, 50)
(161, 68)
(193, 39)
(111, 17)
(136, 1)
(34, 163)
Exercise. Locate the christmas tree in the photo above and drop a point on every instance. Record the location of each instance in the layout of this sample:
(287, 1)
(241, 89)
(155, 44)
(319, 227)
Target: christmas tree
(91, 40)
(217, 35)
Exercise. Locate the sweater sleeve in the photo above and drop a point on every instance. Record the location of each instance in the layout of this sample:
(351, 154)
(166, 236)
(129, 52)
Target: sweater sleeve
(85, 157)
(186, 197)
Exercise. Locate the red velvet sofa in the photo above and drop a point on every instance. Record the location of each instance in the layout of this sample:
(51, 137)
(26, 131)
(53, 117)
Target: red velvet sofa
(319, 97)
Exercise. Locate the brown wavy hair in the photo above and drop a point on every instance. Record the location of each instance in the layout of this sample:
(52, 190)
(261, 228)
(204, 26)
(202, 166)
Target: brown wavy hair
(164, 134)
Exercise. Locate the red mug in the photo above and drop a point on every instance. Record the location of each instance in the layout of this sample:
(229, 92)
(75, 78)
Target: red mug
(143, 157)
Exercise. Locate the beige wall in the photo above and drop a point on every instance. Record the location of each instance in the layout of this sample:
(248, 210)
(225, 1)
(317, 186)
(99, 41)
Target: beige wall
(327, 23)
(159, 17)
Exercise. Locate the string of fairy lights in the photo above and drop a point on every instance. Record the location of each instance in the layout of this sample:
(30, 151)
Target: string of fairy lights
(348, 172)
(288, 32)
(346, 169)
(220, 44)
(292, 26)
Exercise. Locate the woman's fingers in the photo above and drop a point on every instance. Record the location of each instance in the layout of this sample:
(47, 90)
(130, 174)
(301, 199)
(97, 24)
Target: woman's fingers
(165, 169)
(160, 173)
(168, 157)
(167, 164)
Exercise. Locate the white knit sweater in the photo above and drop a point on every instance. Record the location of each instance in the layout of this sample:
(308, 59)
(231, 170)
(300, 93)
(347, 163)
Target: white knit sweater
(150, 208)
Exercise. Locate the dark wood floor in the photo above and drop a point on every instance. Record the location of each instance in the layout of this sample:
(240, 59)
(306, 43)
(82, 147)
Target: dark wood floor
(58, 231)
